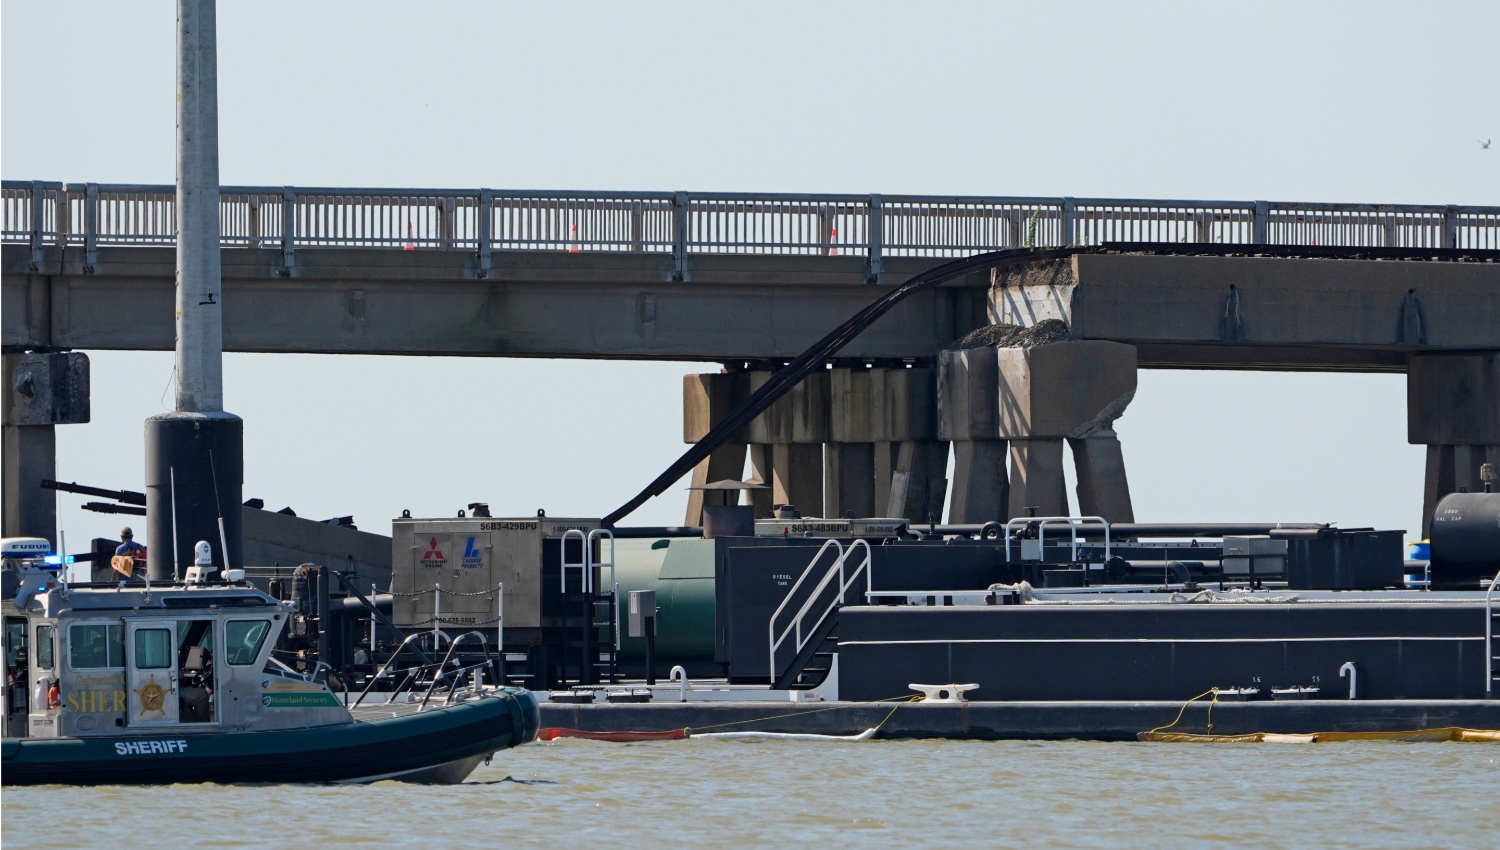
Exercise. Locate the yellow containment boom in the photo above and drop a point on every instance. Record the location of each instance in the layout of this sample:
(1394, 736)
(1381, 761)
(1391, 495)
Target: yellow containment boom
(1445, 733)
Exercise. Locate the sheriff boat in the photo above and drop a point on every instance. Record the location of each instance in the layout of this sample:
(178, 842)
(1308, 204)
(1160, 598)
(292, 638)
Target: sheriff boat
(154, 684)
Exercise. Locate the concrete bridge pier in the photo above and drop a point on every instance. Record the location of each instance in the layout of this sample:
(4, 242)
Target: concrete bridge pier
(1453, 407)
(41, 391)
(1023, 404)
(706, 400)
(1103, 488)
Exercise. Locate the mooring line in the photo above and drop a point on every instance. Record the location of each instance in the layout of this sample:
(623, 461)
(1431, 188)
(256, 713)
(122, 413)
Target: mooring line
(1183, 710)
(906, 698)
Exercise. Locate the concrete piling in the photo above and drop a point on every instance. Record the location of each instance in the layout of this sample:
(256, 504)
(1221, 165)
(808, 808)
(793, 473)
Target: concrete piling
(1453, 407)
(41, 391)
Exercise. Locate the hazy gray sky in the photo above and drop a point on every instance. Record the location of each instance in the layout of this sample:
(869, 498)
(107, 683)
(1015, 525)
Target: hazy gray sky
(1359, 101)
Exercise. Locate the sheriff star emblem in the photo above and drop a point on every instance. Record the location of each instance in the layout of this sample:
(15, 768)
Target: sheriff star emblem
(152, 696)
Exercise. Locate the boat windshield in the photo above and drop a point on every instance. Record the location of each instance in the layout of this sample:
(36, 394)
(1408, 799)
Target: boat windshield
(243, 639)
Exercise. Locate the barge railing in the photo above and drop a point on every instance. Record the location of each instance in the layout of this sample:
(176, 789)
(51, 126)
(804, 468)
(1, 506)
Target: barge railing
(1072, 521)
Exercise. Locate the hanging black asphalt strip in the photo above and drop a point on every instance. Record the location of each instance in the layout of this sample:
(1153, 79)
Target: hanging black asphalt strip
(814, 358)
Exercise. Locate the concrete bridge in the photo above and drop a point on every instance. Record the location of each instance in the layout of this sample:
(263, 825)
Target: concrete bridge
(749, 280)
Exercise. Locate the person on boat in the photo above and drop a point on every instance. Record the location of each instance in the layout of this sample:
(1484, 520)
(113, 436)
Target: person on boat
(130, 556)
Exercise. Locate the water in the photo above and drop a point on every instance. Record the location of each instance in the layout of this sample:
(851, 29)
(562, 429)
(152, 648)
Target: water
(798, 794)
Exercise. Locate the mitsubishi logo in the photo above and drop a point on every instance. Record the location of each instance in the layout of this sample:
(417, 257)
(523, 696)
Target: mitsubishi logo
(433, 552)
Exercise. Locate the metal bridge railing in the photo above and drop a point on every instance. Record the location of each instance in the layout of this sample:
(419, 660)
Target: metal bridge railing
(91, 215)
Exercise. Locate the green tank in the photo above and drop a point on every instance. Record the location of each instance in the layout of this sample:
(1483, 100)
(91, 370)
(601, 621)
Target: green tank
(681, 571)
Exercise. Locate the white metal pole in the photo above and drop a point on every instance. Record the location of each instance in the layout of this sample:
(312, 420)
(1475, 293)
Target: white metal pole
(373, 591)
(437, 612)
(500, 621)
(200, 326)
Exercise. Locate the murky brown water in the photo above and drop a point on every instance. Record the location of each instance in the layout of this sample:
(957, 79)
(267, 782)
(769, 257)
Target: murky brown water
(797, 794)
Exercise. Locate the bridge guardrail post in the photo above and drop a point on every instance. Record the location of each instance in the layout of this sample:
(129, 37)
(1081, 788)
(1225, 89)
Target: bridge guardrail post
(1262, 221)
(484, 230)
(637, 227)
(90, 227)
(1450, 226)
(1069, 221)
(252, 221)
(38, 197)
(877, 239)
(680, 236)
(447, 234)
(288, 231)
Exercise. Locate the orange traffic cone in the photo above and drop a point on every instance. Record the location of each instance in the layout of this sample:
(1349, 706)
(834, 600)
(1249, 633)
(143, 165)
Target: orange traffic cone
(411, 242)
(573, 246)
(833, 240)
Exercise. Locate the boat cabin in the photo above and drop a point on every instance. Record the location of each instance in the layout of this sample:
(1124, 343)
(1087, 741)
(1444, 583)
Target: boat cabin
(90, 659)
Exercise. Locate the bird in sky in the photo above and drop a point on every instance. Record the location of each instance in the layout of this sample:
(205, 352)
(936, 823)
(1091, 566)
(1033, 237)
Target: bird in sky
(1486, 144)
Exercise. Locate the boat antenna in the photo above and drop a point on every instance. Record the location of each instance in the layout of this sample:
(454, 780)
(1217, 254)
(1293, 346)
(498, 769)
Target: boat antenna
(223, 538)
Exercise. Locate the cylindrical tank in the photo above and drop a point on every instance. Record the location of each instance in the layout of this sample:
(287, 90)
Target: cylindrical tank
(202, 454)
(681, 571)
(1465, 539)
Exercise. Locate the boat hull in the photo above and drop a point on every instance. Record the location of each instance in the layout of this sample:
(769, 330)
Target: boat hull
(439, 745)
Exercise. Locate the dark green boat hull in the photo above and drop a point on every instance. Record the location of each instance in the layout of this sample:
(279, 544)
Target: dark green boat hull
(433, 745)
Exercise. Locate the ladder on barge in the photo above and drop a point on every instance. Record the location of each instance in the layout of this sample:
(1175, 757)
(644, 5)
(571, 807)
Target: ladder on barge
(591, 601)
(1491, 644)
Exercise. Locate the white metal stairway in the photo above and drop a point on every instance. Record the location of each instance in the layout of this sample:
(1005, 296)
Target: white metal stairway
(802, 651)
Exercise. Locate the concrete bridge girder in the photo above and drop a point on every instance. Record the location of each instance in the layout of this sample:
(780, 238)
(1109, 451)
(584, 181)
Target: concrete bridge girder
(1246, 312)
(531, 304)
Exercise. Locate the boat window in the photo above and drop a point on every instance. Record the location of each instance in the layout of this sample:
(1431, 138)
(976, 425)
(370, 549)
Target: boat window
(242, 640)
(96, 646)
(153, 649)
(44, 656)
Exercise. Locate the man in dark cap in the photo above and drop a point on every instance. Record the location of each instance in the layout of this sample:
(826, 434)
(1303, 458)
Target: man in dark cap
(130, 556)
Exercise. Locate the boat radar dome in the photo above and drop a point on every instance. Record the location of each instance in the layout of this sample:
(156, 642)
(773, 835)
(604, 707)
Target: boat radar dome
(203, 563)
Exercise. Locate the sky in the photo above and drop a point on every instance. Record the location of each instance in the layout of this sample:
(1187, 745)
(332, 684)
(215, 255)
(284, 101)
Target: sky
(1288, 101)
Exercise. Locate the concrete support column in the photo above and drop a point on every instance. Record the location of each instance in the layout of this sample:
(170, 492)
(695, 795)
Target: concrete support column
(797, 477)
(760, 473)
(1453, 407)
(911, 464)
(968, 415)
(706, 400)
(981, 487)
(849, 456)
(1069, 389)
(849, 479)
(1103, 489)
(886, 453)
(919, 484)
(40, 392)
(30, 459)
(792, 432)
(1036, 477)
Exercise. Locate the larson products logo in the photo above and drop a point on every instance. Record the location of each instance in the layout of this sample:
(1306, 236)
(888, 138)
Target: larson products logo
(433, 556)
(472, 557)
